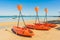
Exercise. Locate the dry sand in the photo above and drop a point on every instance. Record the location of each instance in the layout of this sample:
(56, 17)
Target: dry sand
(52, 34)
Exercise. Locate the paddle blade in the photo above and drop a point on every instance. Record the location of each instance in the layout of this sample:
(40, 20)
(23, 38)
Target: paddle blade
(46, 10)
(36, 9)
(19, 7)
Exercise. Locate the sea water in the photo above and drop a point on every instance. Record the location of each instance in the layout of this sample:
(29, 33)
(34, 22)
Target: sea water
(15, 18)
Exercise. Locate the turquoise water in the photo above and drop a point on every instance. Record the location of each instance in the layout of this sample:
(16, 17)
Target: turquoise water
(14, 18)
(24, 16)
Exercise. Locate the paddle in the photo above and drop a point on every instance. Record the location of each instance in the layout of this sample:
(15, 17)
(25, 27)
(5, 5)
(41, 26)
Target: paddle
(20, 8)
(37, 17)
(46, 11)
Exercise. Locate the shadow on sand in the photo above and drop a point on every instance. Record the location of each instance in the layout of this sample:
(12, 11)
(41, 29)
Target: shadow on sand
(54, 21)
(58, 28)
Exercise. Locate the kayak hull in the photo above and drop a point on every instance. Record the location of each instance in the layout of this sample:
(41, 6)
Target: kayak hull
(22, 31)
(38, 27)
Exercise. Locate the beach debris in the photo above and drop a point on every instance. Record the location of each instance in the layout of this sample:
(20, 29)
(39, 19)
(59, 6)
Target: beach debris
(6, 29)
(23, 31)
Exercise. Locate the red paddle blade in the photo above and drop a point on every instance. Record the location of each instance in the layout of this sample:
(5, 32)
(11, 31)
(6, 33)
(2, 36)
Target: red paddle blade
(46, 10)
(19, 7)
(36, 9)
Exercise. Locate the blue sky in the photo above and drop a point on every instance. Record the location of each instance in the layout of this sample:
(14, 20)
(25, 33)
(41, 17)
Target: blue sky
(9, 7)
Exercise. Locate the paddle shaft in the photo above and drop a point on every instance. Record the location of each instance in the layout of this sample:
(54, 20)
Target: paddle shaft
(23, 19)
(45, 20)
(19, 19)
(37, 18)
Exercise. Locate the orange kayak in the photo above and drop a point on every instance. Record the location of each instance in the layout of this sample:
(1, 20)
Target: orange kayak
(22, 31)
(38, 27)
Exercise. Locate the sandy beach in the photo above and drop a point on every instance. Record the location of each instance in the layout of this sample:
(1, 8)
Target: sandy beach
(20, 12)
(7, 34)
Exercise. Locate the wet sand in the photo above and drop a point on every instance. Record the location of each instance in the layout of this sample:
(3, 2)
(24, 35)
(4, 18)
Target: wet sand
(7, 34)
